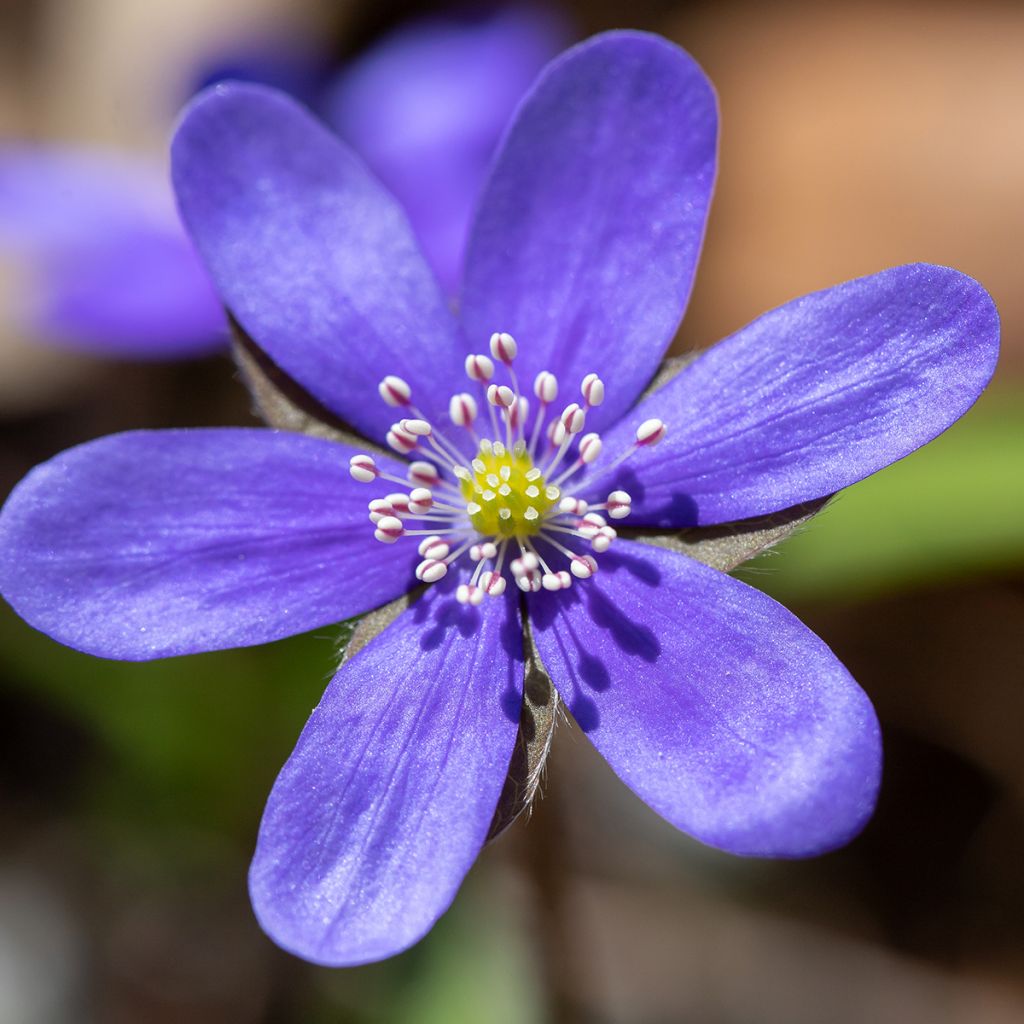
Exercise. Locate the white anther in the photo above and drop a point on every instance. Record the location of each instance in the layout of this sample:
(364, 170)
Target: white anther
(379, 508)
(603, 540)
(530, 582)
(492, 583)
(591, 524)
(395, 391)
(433, 547)
(466, 593)
(500, 395)
(421, 501)
(389, 529)
(479, 368)
(583, 566)
(650, 432)
(518, 412)
(550, 581)
(430, 570)
(564, 578)
(399, 503)
(525, 565)
(363, 468)
(462, 409)
(556, 433)
(619, 503)
(425, 474)
(504, 347)
(545, 387)
(485, 551)
(573, 506)
(592, 389)
(401, 440)
(590, 448)
(573, 418)
(418, 428)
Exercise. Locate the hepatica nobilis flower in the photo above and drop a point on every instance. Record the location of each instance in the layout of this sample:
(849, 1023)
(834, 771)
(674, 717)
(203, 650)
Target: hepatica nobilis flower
(514, 476)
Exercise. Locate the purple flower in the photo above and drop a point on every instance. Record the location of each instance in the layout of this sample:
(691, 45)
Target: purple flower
(109, 268)
(713, 703)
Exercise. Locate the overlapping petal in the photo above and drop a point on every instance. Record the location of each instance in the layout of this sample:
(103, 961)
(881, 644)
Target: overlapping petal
(812, 397)
(586, 240)
(155, 543)
(386, 801)
(310, 253)
(713, 703)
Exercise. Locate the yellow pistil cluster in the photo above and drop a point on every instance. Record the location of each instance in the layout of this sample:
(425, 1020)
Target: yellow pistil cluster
(506, 495)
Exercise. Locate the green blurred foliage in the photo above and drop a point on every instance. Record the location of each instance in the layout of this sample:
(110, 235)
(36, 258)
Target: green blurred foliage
(192, 741)
(952, 510)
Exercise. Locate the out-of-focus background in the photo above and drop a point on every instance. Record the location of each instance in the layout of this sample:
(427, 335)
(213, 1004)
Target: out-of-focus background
(856, 135)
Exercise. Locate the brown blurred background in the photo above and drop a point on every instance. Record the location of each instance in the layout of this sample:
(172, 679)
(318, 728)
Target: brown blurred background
(855, 136)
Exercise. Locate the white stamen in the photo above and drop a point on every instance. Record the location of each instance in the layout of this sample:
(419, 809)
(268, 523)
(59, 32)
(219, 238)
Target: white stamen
(379, 508)
(592, 389)
(479, 368)
(545, 387)
(590, 448)
(573, 418)
(433, 548)
(363, 468)
(500, 395)
(583, 566)
(395, 391)
(400, 439)
(493, 583)
(572, 506)
(619, 503)
(421, 501)
(650, 432)
(518, 412)
(399, 503)
(417, 428)
(430, 570)
(389, 529)
(449, 492)
(504, 347)
(425, 474)
(462, 409)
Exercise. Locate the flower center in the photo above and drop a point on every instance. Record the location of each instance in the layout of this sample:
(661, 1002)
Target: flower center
(506, 495)
(506, 508)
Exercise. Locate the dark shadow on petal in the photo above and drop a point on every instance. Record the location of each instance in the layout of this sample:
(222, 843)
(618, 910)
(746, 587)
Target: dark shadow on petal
(584, 710)
(617, 560)
(630, 636)
(449, 614)
(594, 673)
(679, 509)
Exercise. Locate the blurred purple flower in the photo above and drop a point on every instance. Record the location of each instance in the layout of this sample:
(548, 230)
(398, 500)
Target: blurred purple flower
(111, 271)
(107, 266)
(712, 702)
(426, 107)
